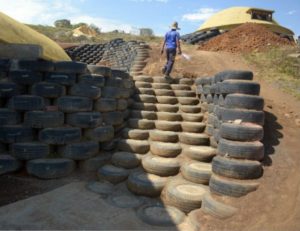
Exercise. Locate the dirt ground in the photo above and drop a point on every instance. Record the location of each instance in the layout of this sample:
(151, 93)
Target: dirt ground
(276, 203)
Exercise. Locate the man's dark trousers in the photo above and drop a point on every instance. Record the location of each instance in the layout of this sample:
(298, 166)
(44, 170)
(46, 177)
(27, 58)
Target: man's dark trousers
(171, 53)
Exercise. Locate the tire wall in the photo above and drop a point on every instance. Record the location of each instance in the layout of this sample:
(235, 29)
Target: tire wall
(117, 53)
(235, 117)
(63, 110)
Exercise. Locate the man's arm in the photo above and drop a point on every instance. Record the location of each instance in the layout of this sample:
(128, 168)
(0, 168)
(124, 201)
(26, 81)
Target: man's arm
(178, 44)
(163, 46)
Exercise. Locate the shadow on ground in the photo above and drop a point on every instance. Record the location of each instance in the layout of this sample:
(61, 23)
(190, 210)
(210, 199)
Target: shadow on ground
(272, 136)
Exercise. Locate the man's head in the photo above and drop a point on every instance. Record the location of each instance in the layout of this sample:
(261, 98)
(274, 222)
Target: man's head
(174, 26)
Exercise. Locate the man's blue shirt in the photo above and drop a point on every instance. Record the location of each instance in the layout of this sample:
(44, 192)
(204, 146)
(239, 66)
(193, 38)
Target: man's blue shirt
(171, 38)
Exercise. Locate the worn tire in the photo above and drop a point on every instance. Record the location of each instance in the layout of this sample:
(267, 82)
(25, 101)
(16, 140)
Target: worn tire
(60, 78)
(160, 166)
(135, 134)
(242, 101)
(25, 77)
(168, 125)
(216, 208)
(61, 135)
(146, 184)
(44, 119)
(196, 172)
(193, 138)
(126, 160)
(165, 149)
(164, 92)
(241, 150)
(192, 117)
(85, 119)
(234, 74)
(112, 174)
(193, 127)
(145, 98)
(166, 99)
(144, 106)
(241, 132)
(30, 150)
(136, 146)
(185, 195)
(100, 134)
(168, 215)
(163, 136)
(48, 90)
(113, 118)
(50, 168)
(69, 104)
(79, 151)
(9, 89)
(141, 124)
(9, 117)
(92, 79)
(105, 105)
(9, 164)
(99, 70)
(16, 133)
(237, 169)
(240, 86)
(200, 153)
(230, 187)
(190, 108)
(70, 67)
(167, 108)
(36, 65)
(26, 103)
(149, 115)
(85, 90)
(251, 116)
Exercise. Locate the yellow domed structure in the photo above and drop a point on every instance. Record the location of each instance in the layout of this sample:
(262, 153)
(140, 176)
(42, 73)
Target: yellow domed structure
(14, 32)
(232, 17)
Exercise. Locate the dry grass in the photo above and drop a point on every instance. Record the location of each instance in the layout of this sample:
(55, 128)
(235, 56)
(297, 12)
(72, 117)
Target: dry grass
(277, 67)
(65, 35)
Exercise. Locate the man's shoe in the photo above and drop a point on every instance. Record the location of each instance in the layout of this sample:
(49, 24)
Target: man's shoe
(163, 70)
(168, 77)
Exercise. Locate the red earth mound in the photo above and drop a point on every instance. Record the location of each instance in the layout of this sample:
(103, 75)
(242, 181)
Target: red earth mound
(244, 38)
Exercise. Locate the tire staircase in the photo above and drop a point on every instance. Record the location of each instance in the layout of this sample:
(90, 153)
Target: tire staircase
(164, 150)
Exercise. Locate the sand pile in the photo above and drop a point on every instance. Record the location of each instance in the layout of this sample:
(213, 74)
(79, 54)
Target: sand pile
(245, 38)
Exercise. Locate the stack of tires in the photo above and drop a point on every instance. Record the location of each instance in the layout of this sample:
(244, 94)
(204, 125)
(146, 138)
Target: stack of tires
(239, 147)
(140, 59)
(195, 38)
(58, 114)
(210, 98)
(119, 54)
(87, 53)
(235, 121)
(116, 54)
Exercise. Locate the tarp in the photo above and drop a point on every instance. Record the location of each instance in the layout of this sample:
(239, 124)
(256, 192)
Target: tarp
(12, 31)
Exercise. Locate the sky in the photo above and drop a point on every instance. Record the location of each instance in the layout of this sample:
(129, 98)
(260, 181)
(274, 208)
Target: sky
(129, 15)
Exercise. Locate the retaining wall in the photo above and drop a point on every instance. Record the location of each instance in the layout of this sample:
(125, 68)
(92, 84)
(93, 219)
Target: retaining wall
(65, 111)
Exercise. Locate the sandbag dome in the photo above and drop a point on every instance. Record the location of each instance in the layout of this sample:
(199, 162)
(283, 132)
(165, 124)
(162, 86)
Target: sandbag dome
(232, 17)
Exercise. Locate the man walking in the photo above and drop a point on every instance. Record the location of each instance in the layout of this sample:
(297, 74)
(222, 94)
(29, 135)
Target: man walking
(171, 44)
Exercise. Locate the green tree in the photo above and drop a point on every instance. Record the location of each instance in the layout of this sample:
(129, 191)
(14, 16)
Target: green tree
(146, 32)
(63, 23)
